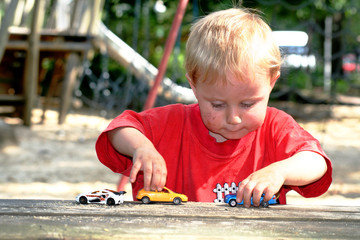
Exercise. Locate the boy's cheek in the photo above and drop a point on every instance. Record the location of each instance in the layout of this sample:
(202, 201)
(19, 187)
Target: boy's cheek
(210, 118)
(257, 116)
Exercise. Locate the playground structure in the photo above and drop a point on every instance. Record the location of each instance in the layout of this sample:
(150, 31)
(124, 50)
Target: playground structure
(31, 38)
(63, 32)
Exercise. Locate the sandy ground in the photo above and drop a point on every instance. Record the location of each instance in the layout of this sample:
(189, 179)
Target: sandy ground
(49, 161)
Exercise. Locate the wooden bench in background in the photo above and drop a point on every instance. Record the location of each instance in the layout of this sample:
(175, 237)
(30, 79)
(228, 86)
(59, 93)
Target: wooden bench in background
(23, 49)
(64, 49)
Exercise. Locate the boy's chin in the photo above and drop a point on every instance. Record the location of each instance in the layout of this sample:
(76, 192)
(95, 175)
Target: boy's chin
(228, 136)
(223, 138)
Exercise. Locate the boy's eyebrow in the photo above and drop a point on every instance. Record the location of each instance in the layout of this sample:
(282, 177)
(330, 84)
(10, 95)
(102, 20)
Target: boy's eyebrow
(255, 99)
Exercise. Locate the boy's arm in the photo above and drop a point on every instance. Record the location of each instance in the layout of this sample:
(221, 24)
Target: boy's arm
(301, 169)
(131, 142)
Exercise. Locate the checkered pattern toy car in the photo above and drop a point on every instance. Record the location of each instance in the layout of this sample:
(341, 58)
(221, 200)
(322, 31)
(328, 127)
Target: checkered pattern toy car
(104, 196)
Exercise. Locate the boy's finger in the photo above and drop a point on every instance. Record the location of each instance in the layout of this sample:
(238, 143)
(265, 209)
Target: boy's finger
(148, 175)
(240, 192)
(162, 179)
(239, 196)
(248, 192)
(257, 196)
(247, 199)
(159, 177)
(270, 192)
(156, 177)
(134, 171)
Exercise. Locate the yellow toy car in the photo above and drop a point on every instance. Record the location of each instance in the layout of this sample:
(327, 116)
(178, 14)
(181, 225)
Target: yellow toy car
(166, 195)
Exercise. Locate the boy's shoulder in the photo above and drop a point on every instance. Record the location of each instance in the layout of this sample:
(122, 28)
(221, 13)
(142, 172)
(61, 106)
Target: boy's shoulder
(178, 106)
(275, 115)
(173, 108)
(171, 112)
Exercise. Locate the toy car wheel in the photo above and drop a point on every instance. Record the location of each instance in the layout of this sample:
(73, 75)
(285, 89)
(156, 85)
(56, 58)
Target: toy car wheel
(145, 200)
(264, 204)
(110, 201)
(232, 203)
(177, 201)
(83, 200)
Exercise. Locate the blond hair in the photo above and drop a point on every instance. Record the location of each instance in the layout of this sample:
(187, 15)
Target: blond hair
(235, 41)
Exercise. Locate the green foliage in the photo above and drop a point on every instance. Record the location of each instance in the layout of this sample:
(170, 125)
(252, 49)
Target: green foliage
(342, 86)
(2, 10)
(351, 82)
(299, 79)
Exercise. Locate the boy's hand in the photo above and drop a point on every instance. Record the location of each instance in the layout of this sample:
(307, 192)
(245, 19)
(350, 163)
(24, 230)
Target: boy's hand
(266, 180)
(293, 171)
(131, 142)
(153, 165)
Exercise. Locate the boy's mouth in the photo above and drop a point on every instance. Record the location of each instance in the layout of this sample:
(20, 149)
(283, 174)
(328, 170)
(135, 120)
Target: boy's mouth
(233, 130)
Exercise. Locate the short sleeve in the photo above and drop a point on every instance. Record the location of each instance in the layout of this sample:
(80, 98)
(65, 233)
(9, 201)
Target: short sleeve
(107, 154)
(290, 138)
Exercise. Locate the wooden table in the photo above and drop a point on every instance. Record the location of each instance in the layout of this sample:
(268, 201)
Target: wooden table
(53, 219)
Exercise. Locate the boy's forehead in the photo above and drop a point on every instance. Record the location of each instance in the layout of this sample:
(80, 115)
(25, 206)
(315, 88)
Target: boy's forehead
(229, 78)
(246, 86)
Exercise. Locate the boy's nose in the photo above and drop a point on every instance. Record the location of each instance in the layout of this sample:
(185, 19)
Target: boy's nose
(234, 118)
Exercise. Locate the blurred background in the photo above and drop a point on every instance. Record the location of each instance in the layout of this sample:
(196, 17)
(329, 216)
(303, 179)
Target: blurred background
(67, 67)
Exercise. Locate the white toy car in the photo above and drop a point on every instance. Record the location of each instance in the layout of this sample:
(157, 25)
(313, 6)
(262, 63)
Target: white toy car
(104, 196)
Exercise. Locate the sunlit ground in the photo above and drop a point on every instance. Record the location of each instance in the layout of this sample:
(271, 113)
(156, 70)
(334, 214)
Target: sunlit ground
(51, 161)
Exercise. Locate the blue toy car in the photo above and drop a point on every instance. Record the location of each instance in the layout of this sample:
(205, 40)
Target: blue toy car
(231, 200)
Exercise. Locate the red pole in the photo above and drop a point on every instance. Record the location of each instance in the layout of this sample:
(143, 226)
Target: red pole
(168, 49)
(162, 68)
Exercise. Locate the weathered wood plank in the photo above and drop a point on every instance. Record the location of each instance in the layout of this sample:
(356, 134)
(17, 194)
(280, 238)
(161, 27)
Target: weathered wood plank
(4, 98)
(52, 46)
(133, 220)
(4, 25)
(71, 72)
(32, 61)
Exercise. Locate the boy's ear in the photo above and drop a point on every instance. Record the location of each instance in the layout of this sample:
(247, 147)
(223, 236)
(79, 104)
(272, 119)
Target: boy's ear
(191, 84)
(273, 80)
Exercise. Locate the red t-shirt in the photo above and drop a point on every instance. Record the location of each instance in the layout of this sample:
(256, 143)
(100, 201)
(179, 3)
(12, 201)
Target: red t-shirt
(204, 169)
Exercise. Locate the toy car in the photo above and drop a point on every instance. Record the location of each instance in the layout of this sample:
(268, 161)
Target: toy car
(231, 200)
(104, 196)
(166, 195)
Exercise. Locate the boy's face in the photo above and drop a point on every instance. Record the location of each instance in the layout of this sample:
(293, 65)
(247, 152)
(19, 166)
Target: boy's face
(233, 110)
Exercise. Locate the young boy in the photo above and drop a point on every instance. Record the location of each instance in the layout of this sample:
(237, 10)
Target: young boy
(231, 137)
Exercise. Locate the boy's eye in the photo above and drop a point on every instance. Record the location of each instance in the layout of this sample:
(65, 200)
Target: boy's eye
(217, 105)
(247, 105)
